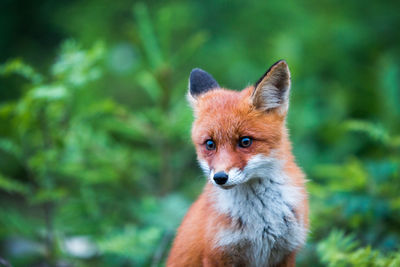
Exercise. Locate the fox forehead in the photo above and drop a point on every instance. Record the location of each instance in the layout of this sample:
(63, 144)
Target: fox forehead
(225, 116)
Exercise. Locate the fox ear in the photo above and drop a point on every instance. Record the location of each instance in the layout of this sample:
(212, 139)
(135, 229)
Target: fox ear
(271, 91)
(199, 83)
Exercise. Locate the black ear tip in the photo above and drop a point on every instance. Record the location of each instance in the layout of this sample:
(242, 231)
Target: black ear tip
(197, 72)
(200, 82)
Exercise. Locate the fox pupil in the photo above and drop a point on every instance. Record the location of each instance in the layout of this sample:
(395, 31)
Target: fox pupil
(210, 145)
(245, 142)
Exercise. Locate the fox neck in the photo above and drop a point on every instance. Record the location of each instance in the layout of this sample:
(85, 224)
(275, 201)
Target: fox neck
(262, 213)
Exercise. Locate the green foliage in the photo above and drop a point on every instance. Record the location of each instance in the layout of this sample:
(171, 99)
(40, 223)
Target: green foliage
(96, 163)
(76, 152)
(11, 185)
(340, 250)
(16, 66)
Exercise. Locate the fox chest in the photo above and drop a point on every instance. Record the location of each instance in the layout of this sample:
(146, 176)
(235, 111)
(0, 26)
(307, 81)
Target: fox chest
(264, 227)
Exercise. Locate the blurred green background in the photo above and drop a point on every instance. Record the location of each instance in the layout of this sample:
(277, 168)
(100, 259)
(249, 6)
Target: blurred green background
(96, 163)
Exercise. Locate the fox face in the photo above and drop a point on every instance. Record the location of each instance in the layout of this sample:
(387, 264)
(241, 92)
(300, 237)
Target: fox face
(236, 133)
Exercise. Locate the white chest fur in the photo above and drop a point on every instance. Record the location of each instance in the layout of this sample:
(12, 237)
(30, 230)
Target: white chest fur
(264, 226)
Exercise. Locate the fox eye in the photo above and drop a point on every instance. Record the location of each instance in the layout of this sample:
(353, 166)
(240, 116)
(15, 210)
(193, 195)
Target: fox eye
(245, 141)
(210, 144)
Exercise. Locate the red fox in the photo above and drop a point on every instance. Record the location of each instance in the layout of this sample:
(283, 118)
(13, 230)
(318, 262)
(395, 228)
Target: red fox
(254, 209)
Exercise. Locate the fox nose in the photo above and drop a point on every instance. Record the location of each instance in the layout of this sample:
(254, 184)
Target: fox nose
(220, 178)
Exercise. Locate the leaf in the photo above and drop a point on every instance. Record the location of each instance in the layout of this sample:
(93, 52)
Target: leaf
(374, 131)
(17, 66)
(147, 36)
(10, 147)
(49, 92)
(76, 66)
(341, 250)
(149, 83)
(48, 195)
(190, 46)
(12, 186)
(349, 176)
(131, 242)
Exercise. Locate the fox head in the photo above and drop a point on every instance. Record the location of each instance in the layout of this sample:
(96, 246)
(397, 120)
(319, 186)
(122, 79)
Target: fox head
(236, 132)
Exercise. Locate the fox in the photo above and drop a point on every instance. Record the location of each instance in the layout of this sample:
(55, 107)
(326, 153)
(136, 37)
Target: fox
(253, 210)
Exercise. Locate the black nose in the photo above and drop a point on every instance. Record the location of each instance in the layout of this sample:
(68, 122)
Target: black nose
(220, 178)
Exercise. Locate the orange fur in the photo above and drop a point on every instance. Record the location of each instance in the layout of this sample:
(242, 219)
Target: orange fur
(224, 116)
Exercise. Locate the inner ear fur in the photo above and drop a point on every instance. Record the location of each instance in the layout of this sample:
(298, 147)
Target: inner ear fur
(271, 91)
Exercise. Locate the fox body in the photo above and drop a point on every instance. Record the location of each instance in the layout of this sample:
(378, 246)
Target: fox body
(254, 210)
